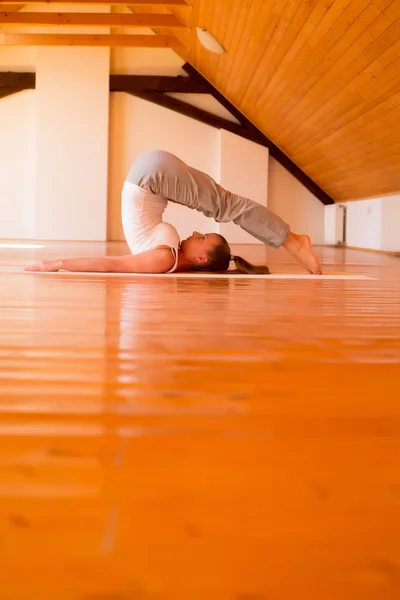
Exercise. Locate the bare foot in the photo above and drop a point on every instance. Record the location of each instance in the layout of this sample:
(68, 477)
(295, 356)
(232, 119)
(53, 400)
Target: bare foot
(45, 266)
(300, 248)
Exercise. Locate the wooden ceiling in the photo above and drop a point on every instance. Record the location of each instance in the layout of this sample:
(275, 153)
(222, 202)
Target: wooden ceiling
(320, 78)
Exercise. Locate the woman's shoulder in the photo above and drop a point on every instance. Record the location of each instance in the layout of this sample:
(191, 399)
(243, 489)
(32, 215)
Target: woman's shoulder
(167, 237)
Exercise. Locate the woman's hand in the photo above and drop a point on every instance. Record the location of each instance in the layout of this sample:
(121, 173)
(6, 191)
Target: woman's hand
(45, 266)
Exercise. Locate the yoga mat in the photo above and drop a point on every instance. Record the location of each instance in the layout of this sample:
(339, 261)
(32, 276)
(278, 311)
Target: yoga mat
(335, 276)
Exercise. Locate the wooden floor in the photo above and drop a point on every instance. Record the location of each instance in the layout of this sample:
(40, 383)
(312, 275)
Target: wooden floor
(180, 439)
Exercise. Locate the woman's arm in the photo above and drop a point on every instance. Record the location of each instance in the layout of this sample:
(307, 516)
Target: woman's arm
(159, 260)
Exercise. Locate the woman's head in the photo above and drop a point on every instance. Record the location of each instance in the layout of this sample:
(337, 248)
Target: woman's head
(211, 252)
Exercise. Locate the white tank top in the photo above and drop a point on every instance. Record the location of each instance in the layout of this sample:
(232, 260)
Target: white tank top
(142, 222)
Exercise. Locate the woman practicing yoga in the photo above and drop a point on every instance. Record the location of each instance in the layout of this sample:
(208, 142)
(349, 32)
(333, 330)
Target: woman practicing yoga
(158, 177)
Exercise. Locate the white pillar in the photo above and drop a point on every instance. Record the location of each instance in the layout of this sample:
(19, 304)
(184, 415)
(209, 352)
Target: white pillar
(72, 96)
(334, 219)
(17, 166)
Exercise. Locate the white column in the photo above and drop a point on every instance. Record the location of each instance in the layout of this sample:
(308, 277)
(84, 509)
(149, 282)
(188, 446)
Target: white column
(390, 234)
(243, 169)
(363, 223)
(72, 96)
(334, 220)
(17, 173)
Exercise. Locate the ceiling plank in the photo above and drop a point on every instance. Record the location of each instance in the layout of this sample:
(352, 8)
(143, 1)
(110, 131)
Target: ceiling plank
(94, 2)
(89, 19)
(155, 83)
(66, 39)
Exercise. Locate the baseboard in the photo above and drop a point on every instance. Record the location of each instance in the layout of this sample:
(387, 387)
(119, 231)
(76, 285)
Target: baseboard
(347, 247)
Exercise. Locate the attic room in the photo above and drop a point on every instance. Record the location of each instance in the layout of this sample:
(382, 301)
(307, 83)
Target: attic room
(199, 264)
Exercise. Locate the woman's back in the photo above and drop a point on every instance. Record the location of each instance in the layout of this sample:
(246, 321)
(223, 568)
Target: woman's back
(142, 222)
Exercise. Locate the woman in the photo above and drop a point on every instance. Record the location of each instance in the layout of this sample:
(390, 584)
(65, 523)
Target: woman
(158, 177)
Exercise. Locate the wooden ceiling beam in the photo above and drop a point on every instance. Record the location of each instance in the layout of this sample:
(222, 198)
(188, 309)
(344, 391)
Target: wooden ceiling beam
(156, 83)
(262, 139)
(9, 91)
(118, 83)
(66, 39)
(89, 19)
(24, 81)
(11, 7)
(13, 83)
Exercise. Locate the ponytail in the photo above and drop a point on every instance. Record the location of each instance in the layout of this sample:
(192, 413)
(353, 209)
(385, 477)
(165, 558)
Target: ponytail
(242, 266)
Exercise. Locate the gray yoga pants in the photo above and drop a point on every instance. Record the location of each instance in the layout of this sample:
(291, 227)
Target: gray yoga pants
(166, 175)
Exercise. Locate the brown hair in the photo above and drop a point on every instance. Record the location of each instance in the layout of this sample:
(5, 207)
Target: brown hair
(220, 257)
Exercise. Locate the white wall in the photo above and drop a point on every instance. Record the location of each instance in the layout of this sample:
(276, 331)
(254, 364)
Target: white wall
(294, 203)
(374, 223)
(363, 224)
(144, 61)
(17, 126)
(390, 223)
(18, 58)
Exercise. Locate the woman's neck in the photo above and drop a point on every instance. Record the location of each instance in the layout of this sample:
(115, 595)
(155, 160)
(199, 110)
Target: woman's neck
(183, 263)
